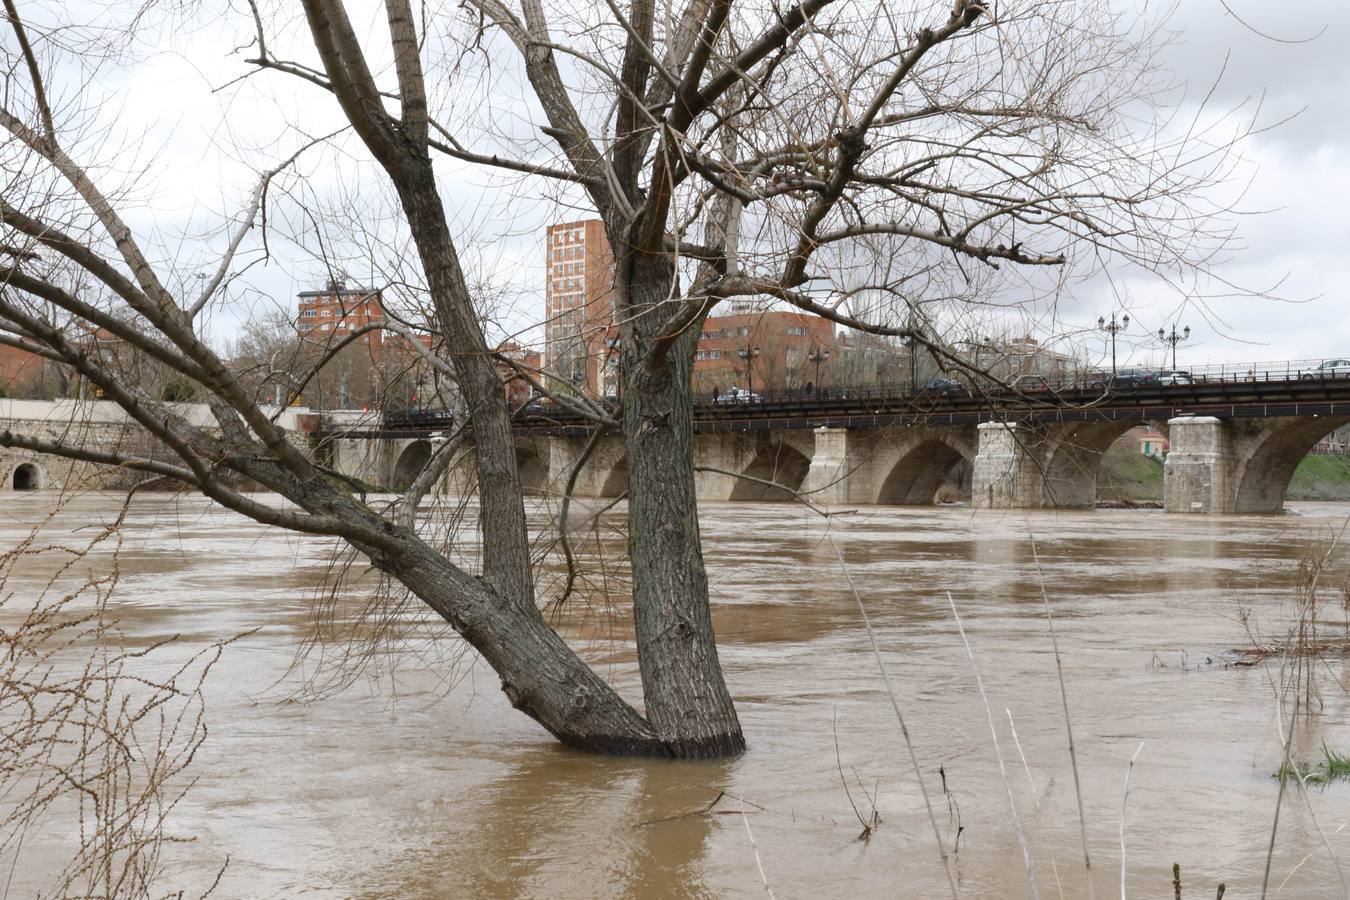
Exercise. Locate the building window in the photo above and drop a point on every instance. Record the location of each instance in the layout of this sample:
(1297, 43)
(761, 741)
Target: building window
(701, 354)
(743, 331)
(715, 354)
(796, 330)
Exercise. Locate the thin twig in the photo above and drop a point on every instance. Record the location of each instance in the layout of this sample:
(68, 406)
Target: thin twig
(754, 848)
(998, 752)
(1124, 801)
(904, 730)
(1068, 720)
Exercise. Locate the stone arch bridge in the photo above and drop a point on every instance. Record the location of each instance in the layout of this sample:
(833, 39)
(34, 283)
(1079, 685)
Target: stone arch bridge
(1234, 458)
(1234, 448)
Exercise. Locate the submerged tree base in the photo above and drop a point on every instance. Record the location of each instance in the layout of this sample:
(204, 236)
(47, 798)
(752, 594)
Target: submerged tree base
(715, 747)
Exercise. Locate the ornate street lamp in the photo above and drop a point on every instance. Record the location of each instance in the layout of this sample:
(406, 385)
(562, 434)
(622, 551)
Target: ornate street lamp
(748, 354)
(817, 356)
(1113, 328)
(1173, 339)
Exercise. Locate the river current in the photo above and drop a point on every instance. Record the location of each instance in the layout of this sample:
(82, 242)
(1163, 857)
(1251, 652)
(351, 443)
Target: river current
(417, 779)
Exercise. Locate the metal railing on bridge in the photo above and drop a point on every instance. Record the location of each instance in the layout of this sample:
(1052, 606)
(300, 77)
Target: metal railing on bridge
(1088, 386)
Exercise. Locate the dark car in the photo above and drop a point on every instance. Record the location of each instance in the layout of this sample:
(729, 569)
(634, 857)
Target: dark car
(945, 388)
(1124, 380)
(539, 406)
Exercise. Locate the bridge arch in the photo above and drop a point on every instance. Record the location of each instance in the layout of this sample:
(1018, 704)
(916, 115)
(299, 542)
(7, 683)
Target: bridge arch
(914, 478)
(1265, 462)
(532, 468)
(410, 464)
(911, 464)
(1071, 460)
(26, 476)
(616, 480)
(777, 462)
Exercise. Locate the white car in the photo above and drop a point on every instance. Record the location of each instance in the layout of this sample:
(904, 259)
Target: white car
(735, 395)
(1333, 368)
(1174, 376)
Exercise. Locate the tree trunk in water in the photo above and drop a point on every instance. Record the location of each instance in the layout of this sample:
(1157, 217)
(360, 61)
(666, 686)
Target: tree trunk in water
(541, 675)
(686, 694)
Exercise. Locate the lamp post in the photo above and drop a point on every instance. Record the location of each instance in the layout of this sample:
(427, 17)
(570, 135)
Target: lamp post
(982, 343)
(1173, 339)
(748, 354)
(817, 356)
(1113, 328)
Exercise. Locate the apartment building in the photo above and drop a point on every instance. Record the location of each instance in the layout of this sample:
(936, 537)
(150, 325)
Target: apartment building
(518, 390)
(764, 350)
(579, 305)
(335, 311)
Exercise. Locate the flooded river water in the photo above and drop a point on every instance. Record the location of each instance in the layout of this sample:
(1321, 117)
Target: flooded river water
(422, 783)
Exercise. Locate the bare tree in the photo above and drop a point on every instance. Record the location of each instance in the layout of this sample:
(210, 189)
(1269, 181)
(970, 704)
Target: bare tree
(858, 161)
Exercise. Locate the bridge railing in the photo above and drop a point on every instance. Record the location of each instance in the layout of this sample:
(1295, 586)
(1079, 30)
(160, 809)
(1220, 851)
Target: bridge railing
(1281, 370)
(1045, 387)
(1125, 379)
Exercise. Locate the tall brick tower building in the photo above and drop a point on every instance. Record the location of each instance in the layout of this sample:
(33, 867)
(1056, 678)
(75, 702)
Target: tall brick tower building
(578, 304)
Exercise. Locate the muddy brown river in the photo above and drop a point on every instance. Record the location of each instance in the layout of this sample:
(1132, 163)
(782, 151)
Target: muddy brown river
(419, 780)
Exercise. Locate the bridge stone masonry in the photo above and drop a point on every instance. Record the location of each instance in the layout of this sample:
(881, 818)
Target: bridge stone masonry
(1221, 465)
(1234, 448)
(98, 425)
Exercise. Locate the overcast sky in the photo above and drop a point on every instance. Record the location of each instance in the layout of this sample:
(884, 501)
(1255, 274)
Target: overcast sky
(1294, 243)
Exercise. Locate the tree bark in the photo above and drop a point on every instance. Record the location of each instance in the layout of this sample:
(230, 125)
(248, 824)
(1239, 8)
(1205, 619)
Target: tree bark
(687, 698)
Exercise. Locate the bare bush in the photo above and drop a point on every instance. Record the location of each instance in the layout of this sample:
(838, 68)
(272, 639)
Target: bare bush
(97, 737)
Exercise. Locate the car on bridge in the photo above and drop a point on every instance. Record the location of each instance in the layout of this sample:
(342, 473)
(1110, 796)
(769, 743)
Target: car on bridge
(1170, 377)
(946, 388)
(419, 418)
(538, 406)
(735, 396)
(1125, 379)
(1331, 368)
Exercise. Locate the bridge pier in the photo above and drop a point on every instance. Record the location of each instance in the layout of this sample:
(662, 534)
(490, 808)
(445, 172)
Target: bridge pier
(1242, 466)
(1006, 474)
(827, 478)
(1199, 467)
(1051, 466)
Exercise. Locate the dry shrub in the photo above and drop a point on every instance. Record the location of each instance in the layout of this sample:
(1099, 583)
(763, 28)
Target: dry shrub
(96, 737)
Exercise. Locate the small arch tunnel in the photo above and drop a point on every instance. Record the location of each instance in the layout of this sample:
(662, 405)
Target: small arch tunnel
(411, 462)
(26, 477)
